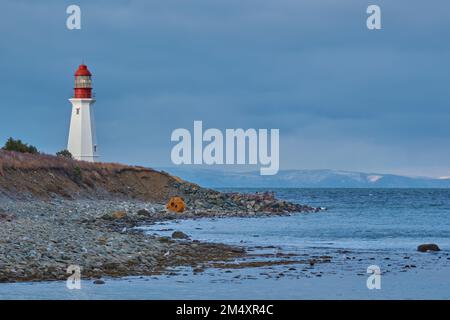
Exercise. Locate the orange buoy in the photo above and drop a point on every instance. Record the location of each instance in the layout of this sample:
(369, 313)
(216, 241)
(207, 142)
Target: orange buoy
(176, 204)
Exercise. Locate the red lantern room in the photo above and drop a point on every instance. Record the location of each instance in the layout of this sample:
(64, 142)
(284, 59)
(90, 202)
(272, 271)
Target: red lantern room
(83, 83)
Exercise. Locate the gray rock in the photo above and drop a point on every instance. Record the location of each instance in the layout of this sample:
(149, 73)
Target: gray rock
(428, 247)
(143, 213)
(179, 235)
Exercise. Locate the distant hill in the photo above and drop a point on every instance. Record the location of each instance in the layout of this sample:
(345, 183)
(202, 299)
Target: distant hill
(303, 179)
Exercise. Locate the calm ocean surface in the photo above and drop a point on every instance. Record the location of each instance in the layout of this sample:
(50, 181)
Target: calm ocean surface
(356, 218)
(375, 226)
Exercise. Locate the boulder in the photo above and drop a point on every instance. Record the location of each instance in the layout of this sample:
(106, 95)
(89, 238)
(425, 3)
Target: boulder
(176, 204)
(428, 247)
(143, 213)
(164, 239)
(114, 215)
(198, 270)
(119, 214)
(179, 235)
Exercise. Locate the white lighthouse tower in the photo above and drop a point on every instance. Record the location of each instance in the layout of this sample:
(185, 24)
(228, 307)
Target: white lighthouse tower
(82, 142)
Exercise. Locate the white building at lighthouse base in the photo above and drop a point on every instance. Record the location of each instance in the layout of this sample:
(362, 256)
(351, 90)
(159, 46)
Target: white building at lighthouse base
(82, 143)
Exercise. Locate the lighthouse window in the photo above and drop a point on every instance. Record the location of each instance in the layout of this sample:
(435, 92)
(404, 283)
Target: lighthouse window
(83, 82)
(78, 111)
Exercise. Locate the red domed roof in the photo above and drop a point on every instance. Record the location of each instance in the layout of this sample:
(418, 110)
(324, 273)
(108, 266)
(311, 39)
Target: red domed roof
(83, 71)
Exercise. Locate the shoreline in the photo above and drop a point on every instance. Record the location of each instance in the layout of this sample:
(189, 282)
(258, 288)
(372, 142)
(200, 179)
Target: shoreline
(57, 212)
(40, 239)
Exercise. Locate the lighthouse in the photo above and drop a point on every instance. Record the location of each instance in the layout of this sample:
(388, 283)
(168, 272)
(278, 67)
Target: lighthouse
(82, 142)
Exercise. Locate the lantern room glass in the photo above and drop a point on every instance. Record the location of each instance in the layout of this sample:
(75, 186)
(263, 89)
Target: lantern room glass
(83, 82)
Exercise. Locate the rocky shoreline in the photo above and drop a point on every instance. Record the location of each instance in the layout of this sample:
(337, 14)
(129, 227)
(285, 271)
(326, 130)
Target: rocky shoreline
(40, 239)
(57, 212)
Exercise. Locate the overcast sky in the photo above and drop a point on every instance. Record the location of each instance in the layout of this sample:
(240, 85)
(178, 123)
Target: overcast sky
(342, 96)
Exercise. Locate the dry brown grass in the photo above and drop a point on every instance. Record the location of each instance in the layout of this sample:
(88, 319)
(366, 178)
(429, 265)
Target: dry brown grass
(44, 176)
(10, 160)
